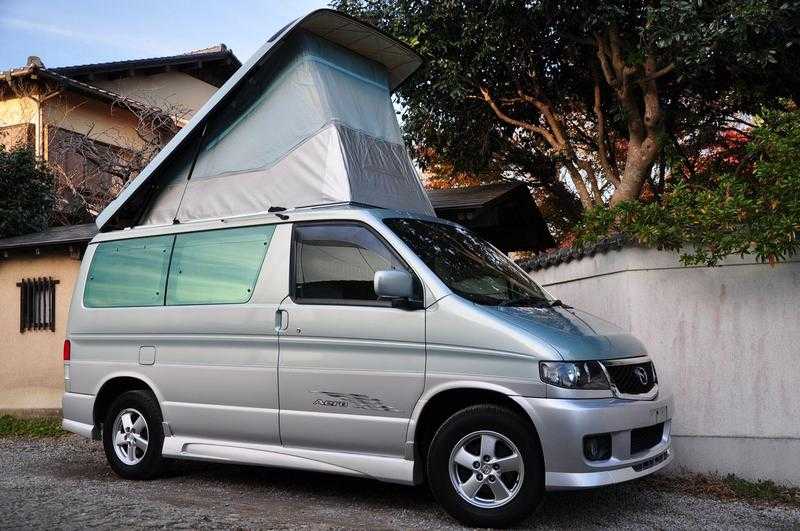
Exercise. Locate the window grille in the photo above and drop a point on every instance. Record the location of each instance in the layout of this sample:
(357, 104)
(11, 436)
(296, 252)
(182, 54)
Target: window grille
(37, 304)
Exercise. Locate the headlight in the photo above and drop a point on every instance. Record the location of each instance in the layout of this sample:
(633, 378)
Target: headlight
(574, 375)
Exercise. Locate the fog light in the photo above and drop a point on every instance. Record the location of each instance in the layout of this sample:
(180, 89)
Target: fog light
(597, 447)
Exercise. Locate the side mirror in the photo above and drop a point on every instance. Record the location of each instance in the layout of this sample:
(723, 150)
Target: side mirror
(393, 285)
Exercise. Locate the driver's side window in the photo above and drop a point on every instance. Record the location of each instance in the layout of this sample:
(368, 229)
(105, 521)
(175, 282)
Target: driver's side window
(336, 262)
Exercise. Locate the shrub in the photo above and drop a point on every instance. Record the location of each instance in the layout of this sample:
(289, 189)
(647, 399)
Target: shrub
(26, 192)
(752, 209)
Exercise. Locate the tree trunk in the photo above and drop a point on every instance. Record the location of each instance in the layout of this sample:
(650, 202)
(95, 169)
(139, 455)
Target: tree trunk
(638, 165)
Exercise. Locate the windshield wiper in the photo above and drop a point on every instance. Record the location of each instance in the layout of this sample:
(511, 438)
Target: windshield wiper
(522, 301)
(534, 301)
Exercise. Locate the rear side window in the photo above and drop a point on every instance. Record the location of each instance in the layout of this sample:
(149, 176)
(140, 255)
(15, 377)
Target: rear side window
(337, 262)
(128, 273)
(217, 267)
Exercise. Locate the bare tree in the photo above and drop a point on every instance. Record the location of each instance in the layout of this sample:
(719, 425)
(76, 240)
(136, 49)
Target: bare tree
(94, 165)
(92, 161)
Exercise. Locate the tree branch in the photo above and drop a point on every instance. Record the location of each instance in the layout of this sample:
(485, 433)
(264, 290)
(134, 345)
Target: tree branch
(608, 169)
(591, 176)
(517, 123)
(660, 73)
(580, 185)
(617, 75)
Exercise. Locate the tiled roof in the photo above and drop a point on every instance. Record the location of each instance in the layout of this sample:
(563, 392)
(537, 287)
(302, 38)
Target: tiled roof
(52, 236)
(470, 197)
(93, 90)
(78, 86)
(216, 48)
(219, 51)
(562, 256)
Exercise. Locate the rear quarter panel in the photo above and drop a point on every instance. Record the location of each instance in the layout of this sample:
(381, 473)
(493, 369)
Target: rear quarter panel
(215, 372)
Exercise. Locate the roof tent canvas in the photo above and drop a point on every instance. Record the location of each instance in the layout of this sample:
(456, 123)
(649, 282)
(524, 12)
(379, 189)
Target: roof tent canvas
(307, 121)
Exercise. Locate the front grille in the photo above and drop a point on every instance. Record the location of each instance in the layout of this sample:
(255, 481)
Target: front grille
(642, 439)
(632, 378)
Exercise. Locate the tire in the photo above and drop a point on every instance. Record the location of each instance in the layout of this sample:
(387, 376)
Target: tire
(508, 489)
(134, 420)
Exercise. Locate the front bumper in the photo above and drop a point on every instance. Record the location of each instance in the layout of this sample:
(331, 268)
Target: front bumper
(563, 423)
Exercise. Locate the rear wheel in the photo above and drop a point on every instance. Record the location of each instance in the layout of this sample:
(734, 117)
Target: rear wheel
(133, 436)
(485, 467)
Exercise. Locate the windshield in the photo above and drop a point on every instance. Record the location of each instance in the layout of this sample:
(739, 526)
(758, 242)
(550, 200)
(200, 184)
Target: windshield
(468, 265)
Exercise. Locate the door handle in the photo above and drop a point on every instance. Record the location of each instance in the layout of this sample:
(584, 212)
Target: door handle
(281, 320)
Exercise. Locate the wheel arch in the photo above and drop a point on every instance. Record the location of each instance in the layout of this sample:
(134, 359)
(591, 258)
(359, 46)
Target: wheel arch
(438, 403)
(114, 385)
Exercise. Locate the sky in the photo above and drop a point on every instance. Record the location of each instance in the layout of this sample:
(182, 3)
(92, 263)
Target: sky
(72, 32)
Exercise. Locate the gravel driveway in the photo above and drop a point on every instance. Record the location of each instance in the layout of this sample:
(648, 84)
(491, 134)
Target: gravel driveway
(65, 483)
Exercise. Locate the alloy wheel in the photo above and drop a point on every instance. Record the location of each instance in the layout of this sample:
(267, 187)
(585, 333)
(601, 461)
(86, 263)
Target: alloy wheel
(131, 436)
(486, 469)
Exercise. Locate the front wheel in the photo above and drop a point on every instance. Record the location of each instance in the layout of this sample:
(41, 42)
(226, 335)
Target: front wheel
(133, 436)
(485, 466)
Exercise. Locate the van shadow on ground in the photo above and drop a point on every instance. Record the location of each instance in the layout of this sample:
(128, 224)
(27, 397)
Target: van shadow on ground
(618, 506)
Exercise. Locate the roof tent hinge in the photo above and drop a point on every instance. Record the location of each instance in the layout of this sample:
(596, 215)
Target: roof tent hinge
(276, 209)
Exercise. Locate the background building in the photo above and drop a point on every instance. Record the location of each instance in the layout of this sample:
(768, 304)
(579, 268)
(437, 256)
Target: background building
(96, 125)
(503, 213)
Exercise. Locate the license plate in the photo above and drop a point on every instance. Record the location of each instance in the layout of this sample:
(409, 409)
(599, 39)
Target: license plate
(658, 414)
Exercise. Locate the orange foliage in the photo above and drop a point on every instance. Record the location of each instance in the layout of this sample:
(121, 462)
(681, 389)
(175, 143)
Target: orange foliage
(440, 174)
(727, 154)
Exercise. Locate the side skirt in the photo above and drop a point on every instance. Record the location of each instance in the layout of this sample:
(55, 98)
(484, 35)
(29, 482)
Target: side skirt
(383, 468)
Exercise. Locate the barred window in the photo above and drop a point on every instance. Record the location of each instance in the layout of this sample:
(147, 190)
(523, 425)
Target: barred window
(37, 304)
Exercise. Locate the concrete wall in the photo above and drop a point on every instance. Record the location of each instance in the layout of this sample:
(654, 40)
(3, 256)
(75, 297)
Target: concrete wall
(725, 339)
(31, 364)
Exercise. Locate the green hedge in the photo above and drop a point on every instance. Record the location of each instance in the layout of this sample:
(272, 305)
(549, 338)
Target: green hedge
(753, 209)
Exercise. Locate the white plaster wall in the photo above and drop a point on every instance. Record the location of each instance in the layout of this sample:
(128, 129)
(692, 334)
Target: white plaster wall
(726, 340)
(14, 111)
(163, 90)
(99, 120)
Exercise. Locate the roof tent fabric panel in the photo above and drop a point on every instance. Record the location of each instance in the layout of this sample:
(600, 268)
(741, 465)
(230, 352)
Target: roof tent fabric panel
(355, 36)
(312, 174)
(314, 126)
(381, 173)
(317, 127)
(336, 165)
(164, 205)
(313, 84)
(367, 41)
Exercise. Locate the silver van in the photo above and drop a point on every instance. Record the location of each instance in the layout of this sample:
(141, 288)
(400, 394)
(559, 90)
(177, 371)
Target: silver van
(359, 341)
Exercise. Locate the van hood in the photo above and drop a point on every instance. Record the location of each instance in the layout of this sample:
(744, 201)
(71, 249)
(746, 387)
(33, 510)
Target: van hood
(575, 334)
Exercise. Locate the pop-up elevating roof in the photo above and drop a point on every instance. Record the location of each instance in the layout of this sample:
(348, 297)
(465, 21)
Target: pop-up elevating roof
(308, 120)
